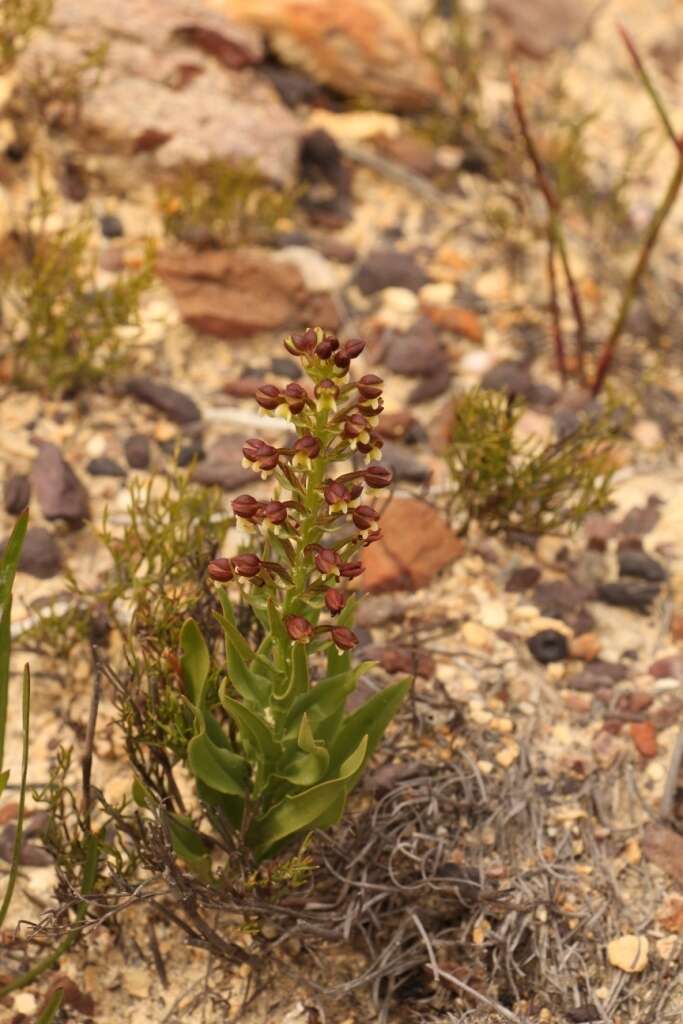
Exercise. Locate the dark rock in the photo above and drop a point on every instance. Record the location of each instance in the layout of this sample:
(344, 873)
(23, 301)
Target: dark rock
(60, 493)
(104, 466)
(183, 454)
(416, 353)
(284, 367)
(548, 645)
(385, 268)
(73, 181)
(431, 387)
(522, 579)
(629, 593)
(640, 521)
(633, 562)
(294, 86)
(16, 151)
(174, 404)
(138, 451)
(40, 554)
(111, 226)
(563, 599)
(222, 466)
(16, 494)
(511, 378)
(404, 464)
(321, 159)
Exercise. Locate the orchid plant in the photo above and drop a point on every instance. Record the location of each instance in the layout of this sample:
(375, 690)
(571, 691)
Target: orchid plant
(274, 752)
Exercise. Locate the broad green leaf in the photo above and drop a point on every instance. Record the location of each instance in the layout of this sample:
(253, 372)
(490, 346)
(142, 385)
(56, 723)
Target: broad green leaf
(326, 697)
(232, 807)
(296, 813)
(8, 568)
(370, 720)
(187, 844)
(235, 637)
(309, 767)
(219, 768)
(18, 835)
(252, 726)
(195, 661)
(279, 633)
(253, 687)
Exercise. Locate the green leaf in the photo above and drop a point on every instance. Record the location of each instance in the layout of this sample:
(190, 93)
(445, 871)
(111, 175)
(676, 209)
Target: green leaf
(49, 1012)
(231, 806)
(221, 769)
(188, 844)
(370, 720)
(141, 795)
(252, 726)
(4, 779)
(296, 813)
(195, 661)
(235, 637)
(327, 696)
(252, 687)
(18, 835)
(8, 569)
(310, 767)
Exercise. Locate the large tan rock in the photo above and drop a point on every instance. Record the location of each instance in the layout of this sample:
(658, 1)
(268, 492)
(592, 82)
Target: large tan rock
(174, 80)
(416, 544)
(361, 48)
(240, 292)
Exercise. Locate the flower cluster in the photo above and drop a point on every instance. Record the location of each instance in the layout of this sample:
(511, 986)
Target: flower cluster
(310, 542)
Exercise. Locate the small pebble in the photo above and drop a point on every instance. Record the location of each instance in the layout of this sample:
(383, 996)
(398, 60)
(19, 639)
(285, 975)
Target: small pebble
(111, 226)
(548, 645)
(104, 466)
(137, 449)
(629, 953)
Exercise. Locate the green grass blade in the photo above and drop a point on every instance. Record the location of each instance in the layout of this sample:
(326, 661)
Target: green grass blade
(49, 1013)
(16, 851)
(8, 568)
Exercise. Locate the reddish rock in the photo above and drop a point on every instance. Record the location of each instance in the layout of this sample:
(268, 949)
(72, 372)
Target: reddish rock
(668, 667)
(644, 736)
(664, 847)
(417, 543)
(237, 293)
(456, 319)
(540, 27)
(409, 661)
(359, 47)
(395, 425)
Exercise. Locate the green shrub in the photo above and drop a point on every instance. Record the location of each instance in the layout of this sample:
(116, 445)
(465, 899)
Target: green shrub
(507, 483)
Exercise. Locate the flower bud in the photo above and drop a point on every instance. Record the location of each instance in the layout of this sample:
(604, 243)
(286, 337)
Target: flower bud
(306, 449)
(298, 628)
(364, 517)
(220, 570)
(301, 344)
(327, 347)
(245, 506)
(260, 456)
(343, 638)
(377, 476)
(268, 396)
(296, 397)
(371, 537)
(350, 570)
(334, 600)
(369, 386)
(353, 348)
(247, 565)
(326, 561)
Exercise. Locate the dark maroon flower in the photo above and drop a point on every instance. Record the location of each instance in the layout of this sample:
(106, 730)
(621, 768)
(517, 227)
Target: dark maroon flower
(343, 638)
(260, 455)
(220, 570)
(301, 344)
(337, 496)
(350, 570)
(373, 536)
(373, 446)
(371, 411)
(364, 517)
(377, 476)
(334, 600)
(275, 512)
(353, 347)
(268, 396)
(298, 628)
(355, 426)
(247, 565)
(326, 561)
(245, 506)
(369, 386)
(296, 397)
(327, 347)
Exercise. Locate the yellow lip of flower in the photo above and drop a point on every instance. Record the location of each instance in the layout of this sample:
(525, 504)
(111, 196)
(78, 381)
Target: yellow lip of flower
(373, 420)
(301, 460)
(339, 506)
(326, 403)
(363, 437)
(284, 411)
(246, 464)
(373, 456)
